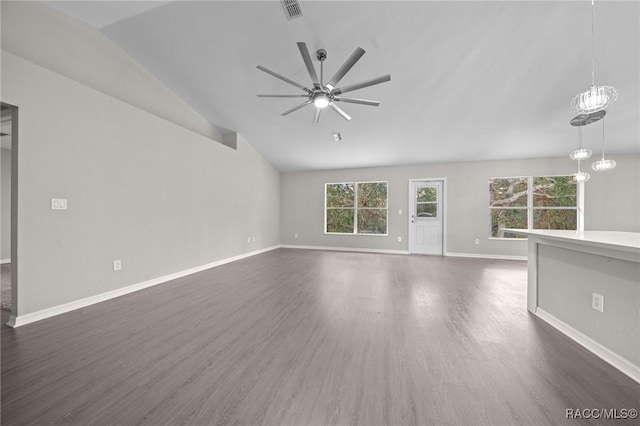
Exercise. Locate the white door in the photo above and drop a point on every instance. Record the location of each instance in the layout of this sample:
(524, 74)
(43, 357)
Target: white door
(425, 217)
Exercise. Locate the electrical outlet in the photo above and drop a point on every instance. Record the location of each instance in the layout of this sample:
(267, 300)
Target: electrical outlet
(597, 302)
(399, 239)
(117, 265)
(400, 211)
(253, 239)
(477, 241)
(295, 235)
(248, 239)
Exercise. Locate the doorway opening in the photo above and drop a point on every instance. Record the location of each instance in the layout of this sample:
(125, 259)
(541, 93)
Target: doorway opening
(427, 216)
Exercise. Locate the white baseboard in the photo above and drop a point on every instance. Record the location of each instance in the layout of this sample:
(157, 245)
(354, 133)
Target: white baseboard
(372, 250)
(622, 364)
(3, 261)
(354, 249)
(21, 320)
(487, 256)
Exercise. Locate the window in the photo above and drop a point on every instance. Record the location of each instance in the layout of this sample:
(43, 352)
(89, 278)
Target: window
(547, 202)
(356, 208)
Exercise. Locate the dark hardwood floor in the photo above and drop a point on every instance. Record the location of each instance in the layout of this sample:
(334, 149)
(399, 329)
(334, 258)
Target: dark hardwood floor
(297, 337)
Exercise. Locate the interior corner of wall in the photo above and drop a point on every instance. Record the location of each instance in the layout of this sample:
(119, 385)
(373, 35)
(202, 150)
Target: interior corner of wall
(230, 139)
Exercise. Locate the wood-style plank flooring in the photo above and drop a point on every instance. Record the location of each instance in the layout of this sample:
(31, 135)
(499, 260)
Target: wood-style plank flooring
(298, 337)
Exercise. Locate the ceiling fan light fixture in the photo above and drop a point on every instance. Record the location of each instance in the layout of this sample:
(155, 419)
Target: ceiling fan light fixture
(321, 101)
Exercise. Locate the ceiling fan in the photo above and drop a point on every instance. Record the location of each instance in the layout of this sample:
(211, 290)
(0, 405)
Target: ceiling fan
(322, 94)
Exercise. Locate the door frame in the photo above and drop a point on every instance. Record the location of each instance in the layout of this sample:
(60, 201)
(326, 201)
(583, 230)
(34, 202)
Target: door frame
(14, 211)
(444, 209)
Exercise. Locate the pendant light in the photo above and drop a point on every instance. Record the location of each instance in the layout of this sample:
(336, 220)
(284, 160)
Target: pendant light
(581, 176)
(596, 98)
(579, 121)
(580, 153)
(603, 165)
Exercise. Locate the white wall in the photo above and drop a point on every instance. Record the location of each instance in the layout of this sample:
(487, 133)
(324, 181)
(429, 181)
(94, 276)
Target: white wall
(5, 209)
(72, 48)
(142, 189)
(566, 280)
(612, 202)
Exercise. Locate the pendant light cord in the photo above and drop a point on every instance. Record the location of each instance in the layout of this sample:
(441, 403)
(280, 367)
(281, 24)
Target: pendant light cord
(603, 138)
(579, 136)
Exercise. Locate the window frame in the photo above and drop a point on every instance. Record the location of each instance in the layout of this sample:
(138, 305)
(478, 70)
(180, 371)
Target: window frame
(356, 208)
(530, 208)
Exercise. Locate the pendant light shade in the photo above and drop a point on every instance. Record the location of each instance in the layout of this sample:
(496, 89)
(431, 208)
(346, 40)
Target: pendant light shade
(603, 165)
(581, 177)
(580, 154)
(596, 98)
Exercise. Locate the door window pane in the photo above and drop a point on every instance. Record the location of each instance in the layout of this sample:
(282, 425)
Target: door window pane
(428, 193)
(427, 210)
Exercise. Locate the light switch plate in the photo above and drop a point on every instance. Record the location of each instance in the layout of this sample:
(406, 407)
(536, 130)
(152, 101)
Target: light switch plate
(58, 204)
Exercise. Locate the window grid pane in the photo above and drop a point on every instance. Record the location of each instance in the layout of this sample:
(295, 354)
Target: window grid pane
(508, 192)
(508, 218)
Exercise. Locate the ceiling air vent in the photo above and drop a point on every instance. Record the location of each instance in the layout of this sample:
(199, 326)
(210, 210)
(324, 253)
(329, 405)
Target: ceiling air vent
(291, 8)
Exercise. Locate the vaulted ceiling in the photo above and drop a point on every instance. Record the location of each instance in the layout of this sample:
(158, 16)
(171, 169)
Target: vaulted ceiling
(469, 80)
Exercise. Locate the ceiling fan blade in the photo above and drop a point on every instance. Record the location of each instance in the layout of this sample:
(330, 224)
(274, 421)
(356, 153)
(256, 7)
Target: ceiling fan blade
(307, 61)
(362, 85)
(316, 116)
(357, 101)
(283, 78)
(351, 61)
(283, 96)
(297, 107)
(339, 110)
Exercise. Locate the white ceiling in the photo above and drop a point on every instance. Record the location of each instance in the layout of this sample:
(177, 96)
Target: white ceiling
(469, 80)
